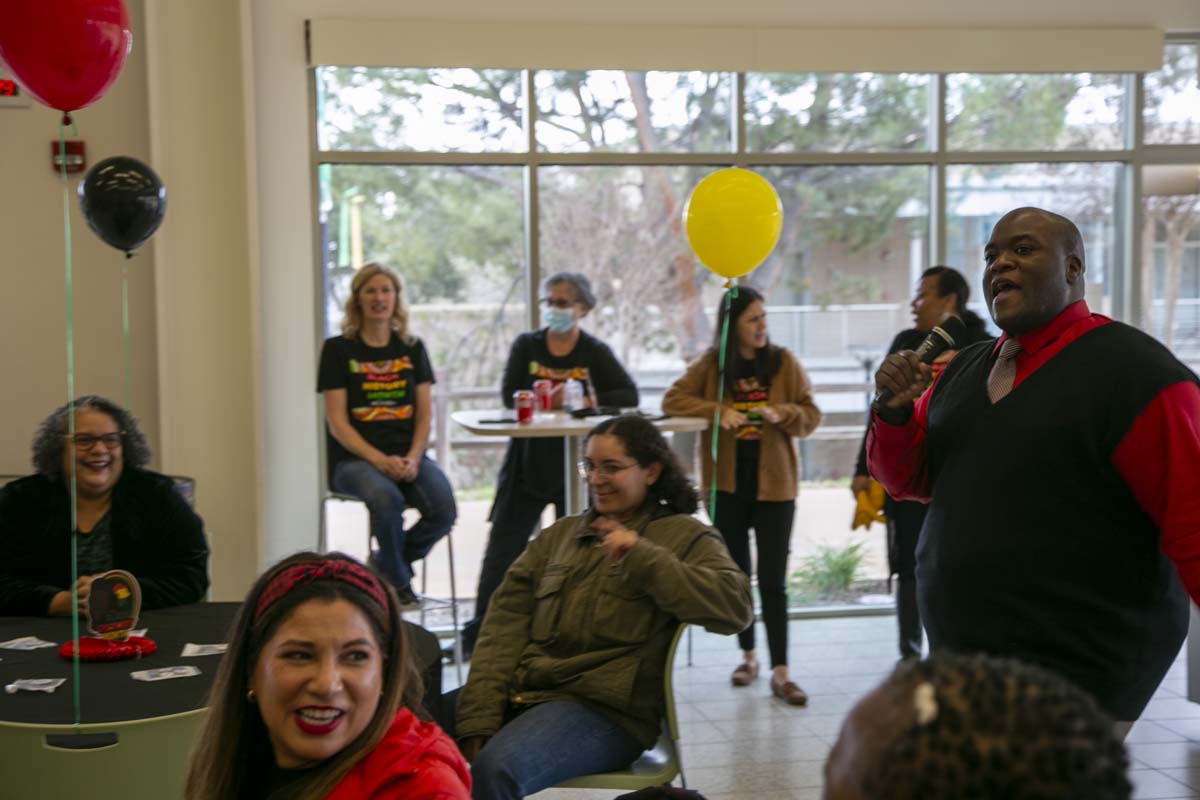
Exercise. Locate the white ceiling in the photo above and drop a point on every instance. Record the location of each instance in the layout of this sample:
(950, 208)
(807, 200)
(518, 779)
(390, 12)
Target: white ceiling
(1168, 15)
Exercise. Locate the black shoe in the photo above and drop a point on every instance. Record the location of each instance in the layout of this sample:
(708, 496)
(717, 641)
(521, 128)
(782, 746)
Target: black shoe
(409, 601)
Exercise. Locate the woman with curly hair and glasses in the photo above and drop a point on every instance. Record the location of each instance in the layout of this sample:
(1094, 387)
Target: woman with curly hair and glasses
(316, 694)
(568, 672)
(126, 517)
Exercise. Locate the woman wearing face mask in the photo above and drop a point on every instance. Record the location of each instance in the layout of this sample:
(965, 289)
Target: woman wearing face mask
(767, 402)
(568, 675)
(377, 383)
(531, 476)
(941, 292)
(315, 696)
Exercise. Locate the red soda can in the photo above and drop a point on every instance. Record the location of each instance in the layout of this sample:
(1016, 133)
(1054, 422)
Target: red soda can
(523, 401)
(544, 389)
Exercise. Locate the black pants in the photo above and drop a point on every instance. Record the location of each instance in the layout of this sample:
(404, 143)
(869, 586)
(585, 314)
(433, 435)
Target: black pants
(737, 513)
(515, 515)
(905, 519)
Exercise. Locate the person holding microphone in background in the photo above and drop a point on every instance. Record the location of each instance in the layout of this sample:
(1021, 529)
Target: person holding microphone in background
(941, 292)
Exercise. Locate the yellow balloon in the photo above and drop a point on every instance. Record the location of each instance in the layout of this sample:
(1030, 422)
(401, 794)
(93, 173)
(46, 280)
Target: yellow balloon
(733, 219)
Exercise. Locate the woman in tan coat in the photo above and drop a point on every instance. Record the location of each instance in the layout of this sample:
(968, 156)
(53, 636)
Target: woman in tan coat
(767, 402)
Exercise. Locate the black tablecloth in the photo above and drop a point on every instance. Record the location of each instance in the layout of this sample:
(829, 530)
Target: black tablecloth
(108, 694)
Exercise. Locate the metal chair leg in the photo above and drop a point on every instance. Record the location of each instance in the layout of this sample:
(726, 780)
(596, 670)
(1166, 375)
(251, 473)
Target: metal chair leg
(458, 654)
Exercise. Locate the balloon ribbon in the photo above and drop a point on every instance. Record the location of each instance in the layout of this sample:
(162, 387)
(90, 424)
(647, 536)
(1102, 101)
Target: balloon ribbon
(62, 153)
(730, 293)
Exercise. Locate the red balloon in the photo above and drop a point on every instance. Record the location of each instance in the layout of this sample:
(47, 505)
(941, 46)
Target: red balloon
(65, 53)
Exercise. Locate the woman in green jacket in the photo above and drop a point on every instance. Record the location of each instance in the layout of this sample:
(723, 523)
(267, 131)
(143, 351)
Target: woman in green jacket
(567, 678)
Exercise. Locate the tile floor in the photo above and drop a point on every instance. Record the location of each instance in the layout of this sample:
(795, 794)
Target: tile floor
(742, 743)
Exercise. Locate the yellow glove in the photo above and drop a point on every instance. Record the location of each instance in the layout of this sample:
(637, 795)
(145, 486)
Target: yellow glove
(869, 507)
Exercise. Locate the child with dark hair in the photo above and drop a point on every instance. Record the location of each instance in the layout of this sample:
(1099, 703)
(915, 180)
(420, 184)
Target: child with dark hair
(568, 672)
(958, 727)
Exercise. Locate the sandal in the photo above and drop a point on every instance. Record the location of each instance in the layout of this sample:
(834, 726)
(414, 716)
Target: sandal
(789, 692)
(745, 674)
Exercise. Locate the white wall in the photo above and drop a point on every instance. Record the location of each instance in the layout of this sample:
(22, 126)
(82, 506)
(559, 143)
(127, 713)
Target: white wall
(207, 297)
(33, 359)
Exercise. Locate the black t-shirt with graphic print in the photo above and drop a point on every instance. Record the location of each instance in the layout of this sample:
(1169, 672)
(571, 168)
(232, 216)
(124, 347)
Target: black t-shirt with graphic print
(748, 397)
(380, 384)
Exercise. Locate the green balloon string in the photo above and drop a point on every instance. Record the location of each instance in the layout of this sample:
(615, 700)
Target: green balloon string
(125, 323)
(62, 147)
(730, 293)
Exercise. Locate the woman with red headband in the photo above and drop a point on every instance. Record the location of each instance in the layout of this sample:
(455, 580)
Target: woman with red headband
(314, 697)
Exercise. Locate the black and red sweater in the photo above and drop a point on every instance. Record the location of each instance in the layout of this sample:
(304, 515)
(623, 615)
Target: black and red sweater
(1056, 513)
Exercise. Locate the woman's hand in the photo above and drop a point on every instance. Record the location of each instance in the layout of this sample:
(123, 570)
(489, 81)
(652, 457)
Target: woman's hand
(393, 467)
(60, 604)
(770, 414)
(471, 747)
(731, 418)
(615, 538)
(411, 467)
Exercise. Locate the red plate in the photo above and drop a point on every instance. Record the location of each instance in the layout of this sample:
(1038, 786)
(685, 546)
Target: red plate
(92, 648)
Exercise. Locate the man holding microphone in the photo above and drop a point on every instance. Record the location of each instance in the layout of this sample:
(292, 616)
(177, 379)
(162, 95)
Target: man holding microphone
(1062, 467)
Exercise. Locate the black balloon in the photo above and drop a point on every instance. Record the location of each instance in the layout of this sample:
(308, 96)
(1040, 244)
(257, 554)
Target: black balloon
(123, 201)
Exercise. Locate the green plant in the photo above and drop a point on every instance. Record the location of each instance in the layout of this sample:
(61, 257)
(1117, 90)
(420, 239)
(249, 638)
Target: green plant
(831, 570)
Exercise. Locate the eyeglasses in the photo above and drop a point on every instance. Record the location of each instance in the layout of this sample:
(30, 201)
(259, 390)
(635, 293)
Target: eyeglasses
(605, 470)
(85, 441)
(558, 302)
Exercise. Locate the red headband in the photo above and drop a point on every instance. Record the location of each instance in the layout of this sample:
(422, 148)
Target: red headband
(332, 570)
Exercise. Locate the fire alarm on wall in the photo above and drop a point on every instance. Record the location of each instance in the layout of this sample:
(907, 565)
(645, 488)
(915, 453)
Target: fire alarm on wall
(75, 156)
(11, 93)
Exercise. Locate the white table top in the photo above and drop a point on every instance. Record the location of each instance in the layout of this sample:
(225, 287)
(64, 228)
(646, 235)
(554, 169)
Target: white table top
(554, 423)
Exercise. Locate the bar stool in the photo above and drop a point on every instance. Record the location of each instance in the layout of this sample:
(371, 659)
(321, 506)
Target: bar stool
(427, 602)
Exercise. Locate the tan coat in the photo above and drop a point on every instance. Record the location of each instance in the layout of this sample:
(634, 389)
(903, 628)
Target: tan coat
(570, 623)
(790, 393)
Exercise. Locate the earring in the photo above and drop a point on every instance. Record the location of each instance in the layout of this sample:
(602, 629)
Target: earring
(250, 696)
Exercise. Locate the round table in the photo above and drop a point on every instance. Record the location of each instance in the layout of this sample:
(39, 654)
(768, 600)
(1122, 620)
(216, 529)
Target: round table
(108, 694)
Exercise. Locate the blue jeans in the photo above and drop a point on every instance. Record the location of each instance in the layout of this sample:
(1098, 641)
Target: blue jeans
(546, 745)
(429, 493)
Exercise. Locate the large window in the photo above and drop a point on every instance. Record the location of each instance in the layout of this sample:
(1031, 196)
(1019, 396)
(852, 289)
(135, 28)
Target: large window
(477, 183)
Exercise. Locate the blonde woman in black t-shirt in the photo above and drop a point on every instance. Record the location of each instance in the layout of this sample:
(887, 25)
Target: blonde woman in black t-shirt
(376, 379)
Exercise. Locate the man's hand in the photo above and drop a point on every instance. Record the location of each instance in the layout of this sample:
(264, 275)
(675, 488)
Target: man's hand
(904, 376)
(60, 604)
(731, 418)
(471, 747)
(859, 483)
(616, 539)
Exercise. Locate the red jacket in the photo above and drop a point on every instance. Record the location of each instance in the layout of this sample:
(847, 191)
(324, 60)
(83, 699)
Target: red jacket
(414, 761)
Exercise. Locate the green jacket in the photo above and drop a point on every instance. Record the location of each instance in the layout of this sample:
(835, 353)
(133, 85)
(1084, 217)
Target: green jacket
(569, 623)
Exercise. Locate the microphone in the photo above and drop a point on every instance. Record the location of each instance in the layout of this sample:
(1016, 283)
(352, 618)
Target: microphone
(939, 340)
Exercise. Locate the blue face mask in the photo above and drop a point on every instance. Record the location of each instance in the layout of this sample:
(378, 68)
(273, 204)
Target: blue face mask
(559, 320)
